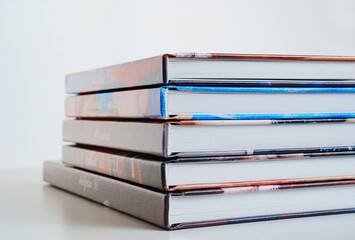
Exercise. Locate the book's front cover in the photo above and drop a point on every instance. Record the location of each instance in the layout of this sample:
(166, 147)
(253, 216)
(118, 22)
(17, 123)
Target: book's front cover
(136, 73)
(142, 103)
(137, 201)
(134, 167)
(145, 137)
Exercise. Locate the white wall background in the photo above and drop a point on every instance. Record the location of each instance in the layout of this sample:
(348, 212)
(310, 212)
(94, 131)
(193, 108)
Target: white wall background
(41, 41)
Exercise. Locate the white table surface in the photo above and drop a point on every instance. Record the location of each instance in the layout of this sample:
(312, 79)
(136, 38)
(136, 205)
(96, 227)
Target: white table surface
(32, 209)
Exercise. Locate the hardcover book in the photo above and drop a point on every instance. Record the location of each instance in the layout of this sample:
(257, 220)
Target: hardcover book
(218, 69)
(186, 209)
(214, 137)
(204, 172)
(193, 102)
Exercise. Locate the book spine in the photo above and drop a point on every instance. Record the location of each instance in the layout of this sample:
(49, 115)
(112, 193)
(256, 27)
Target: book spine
(145, 72)
(143, 103)
(129, 166)
(136, 201)
(129, 136)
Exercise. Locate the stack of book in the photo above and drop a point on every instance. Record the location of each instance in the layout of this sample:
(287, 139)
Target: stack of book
(189, 140)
